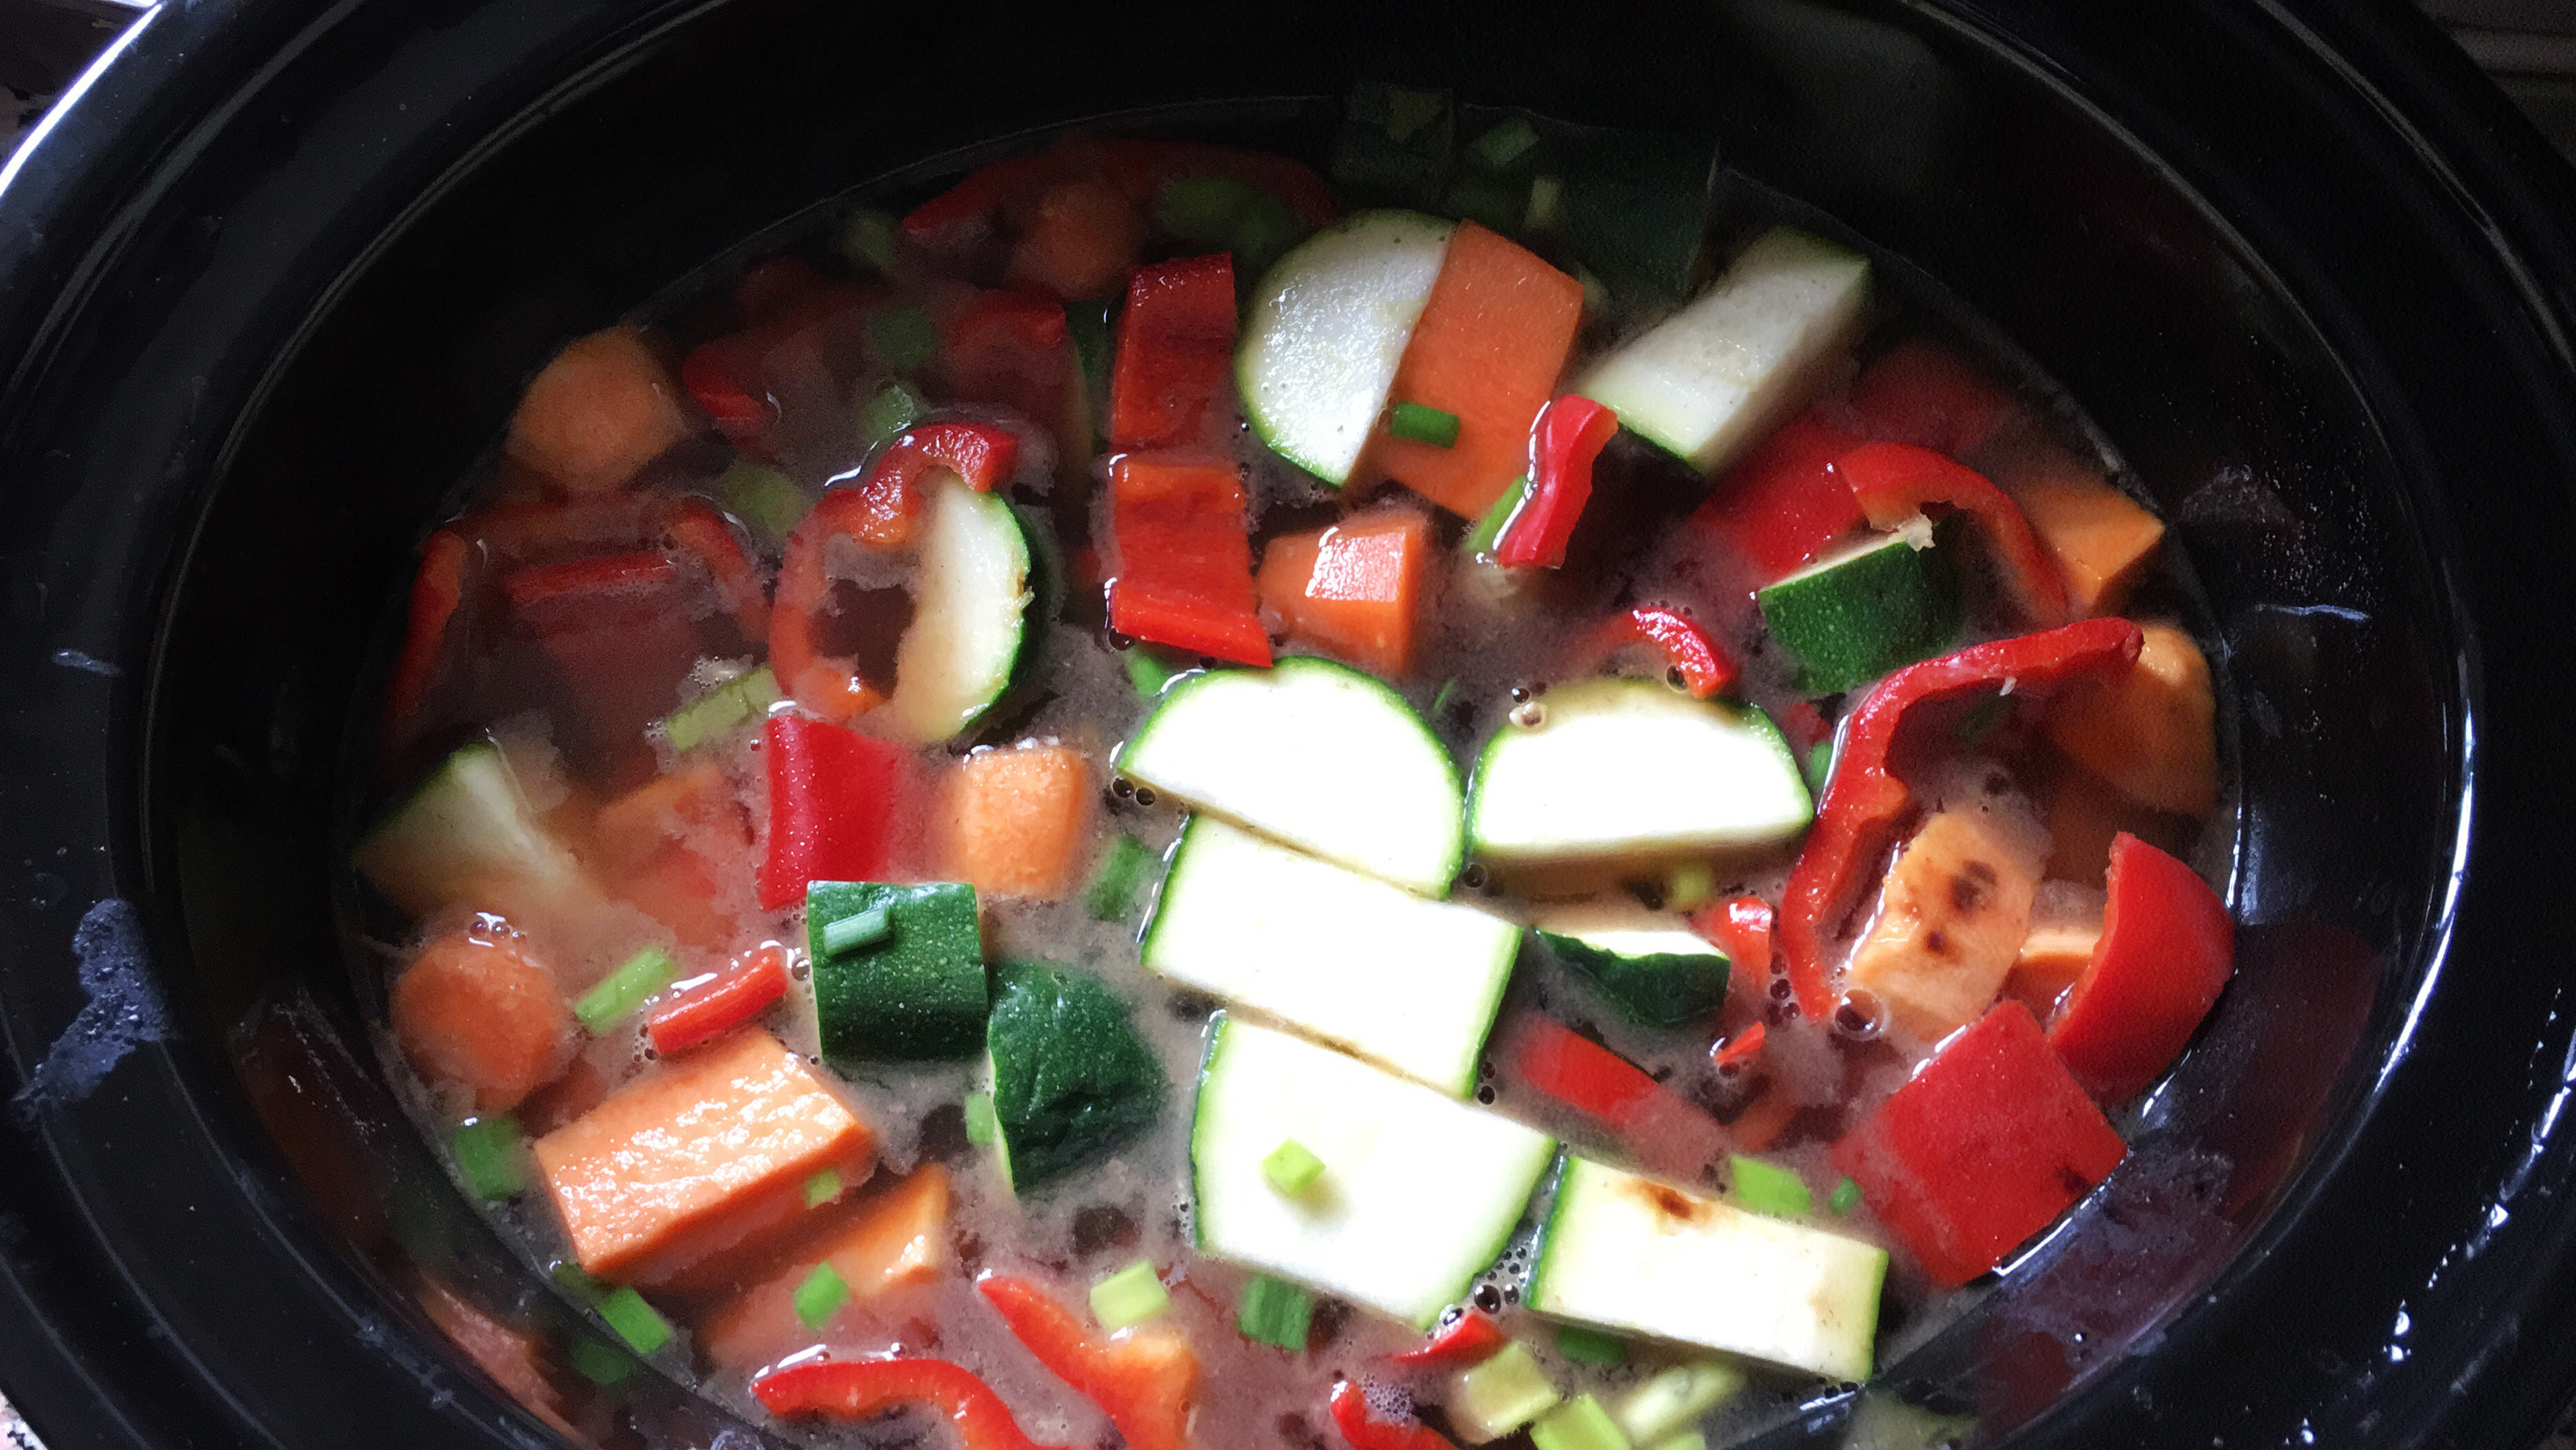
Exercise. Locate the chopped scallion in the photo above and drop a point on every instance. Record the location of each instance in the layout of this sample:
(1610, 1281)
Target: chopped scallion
(1266, 229)
(574, 1277)
(1112, 893)
(1769, 1188)
(1501, 1395)
(1088, 322)
(1408, 111)
(762, 497)
(1423, 424)
(821, 1295)
(866, 238)
(1488, 531)
(1275, 1311)
(1146, 670)
(1132, 1295)
(599, 1361)
(1292, 1168)
(624, 990)
(1846, 1197)
(638, 1323)
(1579, 1424)
(981, 1126)
(1440, 701)
(903, 338)
(1672, 1398)
(1546, 204)
(884, 417)
(822, 1188)
(721, 709)
(1820, 766)
(1590, 1346)
(488, 1153)
(1502, 144)
(1689, 886)
(861, 929)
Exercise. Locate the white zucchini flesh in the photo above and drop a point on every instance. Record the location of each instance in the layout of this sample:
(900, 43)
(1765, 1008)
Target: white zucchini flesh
(468, 837)
(1407, 983)
(971, 598)
(1708, 382)
(1328, 324)
(1626, 768)
(1624, 929)
(1628, 1254)
(1418, 1194)
(1312, 753)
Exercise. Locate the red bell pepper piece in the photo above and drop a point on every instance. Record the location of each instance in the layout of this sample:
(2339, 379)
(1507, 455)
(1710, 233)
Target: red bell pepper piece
(1144, 1380)
(703, 1014)
(831, 806)
(1893, 481)
(1984, 1146)
(1175, 359)
(1741, 927)
(863, 1388)
(1706, 668)
(1569, 434)
(1184, 560)
(1359, 1424)
(979, 453)
(603, 578)
(702, 532)
(964, 215)
(435, 593)
(1923, 393)
(1731, 1055)
(1578, 1072)
(1864, 800)
(1010, 349)
(714, 377)
(1463, 1343)
(2166, 950)
(1783, 504)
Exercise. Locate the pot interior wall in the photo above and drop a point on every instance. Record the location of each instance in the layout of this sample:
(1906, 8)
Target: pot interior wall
(2087, 254)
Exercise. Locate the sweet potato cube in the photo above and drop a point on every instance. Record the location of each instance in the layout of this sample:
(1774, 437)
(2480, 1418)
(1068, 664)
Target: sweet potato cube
(478, 1017)
(602, 409)
(2152, 730)
(2098, 535)
(710, 1153)
(1951, 920)
(1015, 819)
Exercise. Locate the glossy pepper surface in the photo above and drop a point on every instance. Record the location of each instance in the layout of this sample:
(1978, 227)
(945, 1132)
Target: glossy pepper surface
(2167, 949)
(1706, 668)
(1360, 1425)
(1893, 481)
(860, 1389)
(1145, 1380)
(831, 806)
(703, 1014)
(1566, 438)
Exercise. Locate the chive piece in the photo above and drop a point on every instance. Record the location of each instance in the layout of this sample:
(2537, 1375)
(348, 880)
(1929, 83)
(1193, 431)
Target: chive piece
(981, 1126)
(1423, 425)
(1580, 1424)
(624, 990)
(821, 1295)
(1846, 1197)
(1146, 671)
(1982, 719)
(1546, 204)
(762, 497)
(638, 1323)
(903, 338)
(865, 929)
(719, 710)
(599, 1361)
(1501, 1395)
(866, 239)
(1131, 1296)
(1590, 1346)
(1506, 142)
(822, 1188)
(1112, 894)
(1596, 293)
(1440, 701)
(1673, 1398)
(759, 690)
(487, 1152)
(1488, 531)
(1292, 1168)
(1276, 1312)
(1689, 886)
(1769, 1188)
(1686, 1440)
(1203, 209)
(883, 418)
(570, 1274)
(1820, 766)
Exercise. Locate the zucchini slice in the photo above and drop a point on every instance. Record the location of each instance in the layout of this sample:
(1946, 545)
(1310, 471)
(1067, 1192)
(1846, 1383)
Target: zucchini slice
(1649, 965)
(467, 836)
(971, 629)
(1859, 613)
(1327, 326)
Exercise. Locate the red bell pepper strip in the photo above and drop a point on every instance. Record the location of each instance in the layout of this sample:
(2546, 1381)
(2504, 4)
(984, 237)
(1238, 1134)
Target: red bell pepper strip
(2167, 949)
(701, 531)
(831, 806)
(1569, 434)
(1731, 1055)
(1175, 359)
(1783, 504)
(1925, 394)
(862, 1388)
(1706, 668)
(1465, 1342)
(1578, 1072)
(1741, 927)
(706, 1013)
(1184, 559)
(1987, 1143)
(1893, 481)
(829, 685)
(435, 592)
(1359, 1424)
(712, 376)
(964, 215)
(979, 453)
(1010, 349)
(1865, 800)
(602, 576)
(1145, 1380)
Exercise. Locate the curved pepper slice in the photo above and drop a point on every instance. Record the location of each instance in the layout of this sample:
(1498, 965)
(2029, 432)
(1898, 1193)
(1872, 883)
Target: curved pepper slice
(1706, 668)
(1145, 1380)
(1361, 1426)
(1893, 481)
(709, 1012)
(1741, 927)
(1467, 1341)
(1864, 800)
(435, 592)
(1568, 435)
(2167, 949)
(701, 531)
(857, 1389)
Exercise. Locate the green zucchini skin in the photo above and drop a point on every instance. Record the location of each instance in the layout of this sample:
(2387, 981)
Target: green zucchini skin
(1071, 1079)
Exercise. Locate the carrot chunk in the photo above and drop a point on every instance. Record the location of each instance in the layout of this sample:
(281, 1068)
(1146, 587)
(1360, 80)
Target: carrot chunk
(602, 409)
(1015, 819)
(474, 1014)
(711, 1153)
(1488, 348)
(880, 1247)
(1353, 589)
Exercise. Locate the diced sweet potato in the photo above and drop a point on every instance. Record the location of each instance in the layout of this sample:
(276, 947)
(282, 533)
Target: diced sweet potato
(2098, 535)
(880, 1246)
(1081, 241)
(476, 1016)
(2065, 922)
(709, 1154)
(602, 409)
(2085, 812)
(1355, 588)
(1015, 819)
(511, 1354)
(1951, 919)
(2151, 730)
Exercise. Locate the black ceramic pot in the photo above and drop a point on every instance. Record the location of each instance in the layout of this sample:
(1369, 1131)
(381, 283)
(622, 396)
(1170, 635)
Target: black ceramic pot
(270, 281)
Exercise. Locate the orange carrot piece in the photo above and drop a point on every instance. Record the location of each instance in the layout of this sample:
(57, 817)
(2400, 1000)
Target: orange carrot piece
(880, 1246)
(1488, 348)
(475, 1014)
(1085, 236)
(1016, 817)
(1353, 589)
(602, 409)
